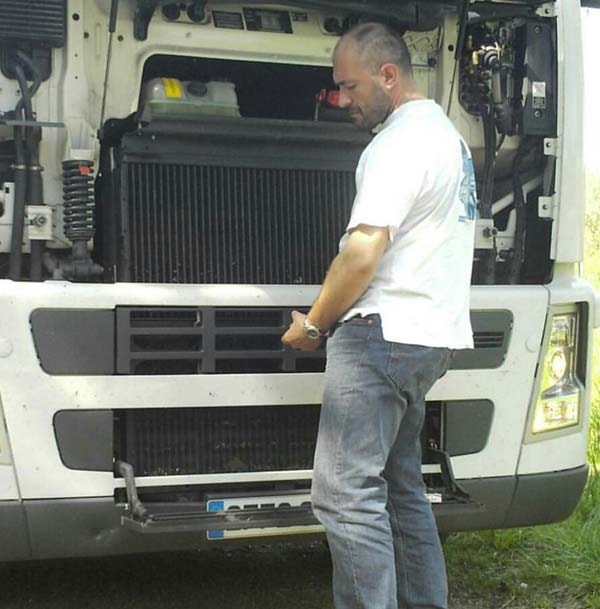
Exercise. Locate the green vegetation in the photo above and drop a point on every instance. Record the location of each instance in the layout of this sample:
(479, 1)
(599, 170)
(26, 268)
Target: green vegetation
(547, 567)
(554, 566)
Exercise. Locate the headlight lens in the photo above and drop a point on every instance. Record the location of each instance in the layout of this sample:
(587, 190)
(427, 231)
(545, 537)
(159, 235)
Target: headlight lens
(558, 402)
(559, 365)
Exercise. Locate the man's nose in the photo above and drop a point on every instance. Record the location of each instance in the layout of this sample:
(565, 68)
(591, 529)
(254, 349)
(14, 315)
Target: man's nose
(344, 101)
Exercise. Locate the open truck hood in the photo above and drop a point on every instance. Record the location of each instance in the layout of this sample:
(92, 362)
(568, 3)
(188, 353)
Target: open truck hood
(415, 15)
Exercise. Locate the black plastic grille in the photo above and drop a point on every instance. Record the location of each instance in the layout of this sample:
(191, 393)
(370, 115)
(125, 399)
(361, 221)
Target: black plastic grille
(220, 440)
(207, 224)
(217, 440)
(208, 340)
(488, 340)
(42, 21)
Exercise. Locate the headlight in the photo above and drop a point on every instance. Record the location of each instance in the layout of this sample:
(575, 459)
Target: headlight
(558, 402)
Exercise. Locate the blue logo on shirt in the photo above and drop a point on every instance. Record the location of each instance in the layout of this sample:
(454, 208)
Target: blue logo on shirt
(468, 189)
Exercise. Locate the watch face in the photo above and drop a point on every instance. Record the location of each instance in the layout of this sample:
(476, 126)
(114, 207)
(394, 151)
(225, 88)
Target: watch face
(312, 333)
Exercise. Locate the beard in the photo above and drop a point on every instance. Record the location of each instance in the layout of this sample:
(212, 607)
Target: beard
(374, 112)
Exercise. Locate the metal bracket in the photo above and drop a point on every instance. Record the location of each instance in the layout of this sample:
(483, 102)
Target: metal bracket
(450, 484)
(7, 200)
(485, 234)
(8, 119)
(551, 146)
(546, 207)
(547, 10)
(39, 219)
(139, 519)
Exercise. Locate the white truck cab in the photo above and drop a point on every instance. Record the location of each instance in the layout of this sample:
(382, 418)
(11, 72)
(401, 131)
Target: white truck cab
(175, 179)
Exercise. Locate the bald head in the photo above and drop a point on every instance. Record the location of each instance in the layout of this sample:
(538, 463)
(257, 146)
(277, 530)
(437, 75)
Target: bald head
(377, 44)
(371, 67)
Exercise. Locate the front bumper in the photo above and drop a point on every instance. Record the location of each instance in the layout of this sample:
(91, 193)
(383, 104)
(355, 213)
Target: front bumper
(59, 528)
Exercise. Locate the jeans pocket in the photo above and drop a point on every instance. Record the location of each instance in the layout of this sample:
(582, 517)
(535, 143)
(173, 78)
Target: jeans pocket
(415, 368)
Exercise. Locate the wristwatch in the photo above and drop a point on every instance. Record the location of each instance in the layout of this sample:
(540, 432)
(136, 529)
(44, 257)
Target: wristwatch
(312, 331)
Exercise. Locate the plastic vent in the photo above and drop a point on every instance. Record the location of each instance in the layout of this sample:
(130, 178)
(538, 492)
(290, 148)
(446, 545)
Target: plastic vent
(37, 21)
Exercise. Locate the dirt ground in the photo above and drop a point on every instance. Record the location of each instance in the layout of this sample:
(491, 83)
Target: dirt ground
(257, 577)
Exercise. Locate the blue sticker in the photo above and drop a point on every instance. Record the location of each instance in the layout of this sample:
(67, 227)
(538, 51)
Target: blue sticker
(216, 506)
(468, 188)
(216, 534)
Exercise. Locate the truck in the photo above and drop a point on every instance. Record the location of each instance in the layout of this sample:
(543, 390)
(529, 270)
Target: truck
(175, 178)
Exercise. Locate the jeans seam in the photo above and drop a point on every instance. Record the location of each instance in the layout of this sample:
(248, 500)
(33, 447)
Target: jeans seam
(336, 489)
(400, 538)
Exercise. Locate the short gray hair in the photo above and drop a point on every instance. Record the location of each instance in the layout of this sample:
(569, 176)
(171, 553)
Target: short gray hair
(378, 43)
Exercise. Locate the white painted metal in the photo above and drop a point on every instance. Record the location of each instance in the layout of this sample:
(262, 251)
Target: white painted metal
(568, 230)
(32, 397)
(72, 95)
(7, 199)
(9, 491)
(236, 478)
(8, 481)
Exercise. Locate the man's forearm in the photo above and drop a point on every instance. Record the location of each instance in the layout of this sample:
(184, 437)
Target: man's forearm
(345, 282)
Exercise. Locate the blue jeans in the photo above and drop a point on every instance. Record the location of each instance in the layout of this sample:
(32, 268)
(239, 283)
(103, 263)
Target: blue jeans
(367, 488)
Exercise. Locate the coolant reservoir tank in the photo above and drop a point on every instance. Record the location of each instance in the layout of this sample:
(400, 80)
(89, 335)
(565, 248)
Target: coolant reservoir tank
(170, 98)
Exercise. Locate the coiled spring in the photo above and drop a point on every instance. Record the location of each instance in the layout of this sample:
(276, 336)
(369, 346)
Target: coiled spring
(78, 197)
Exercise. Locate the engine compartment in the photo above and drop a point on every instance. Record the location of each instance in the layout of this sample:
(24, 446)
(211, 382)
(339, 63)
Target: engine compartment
(214, 128)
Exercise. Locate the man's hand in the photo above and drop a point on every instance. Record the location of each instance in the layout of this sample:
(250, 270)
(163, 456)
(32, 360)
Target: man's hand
(296, 338)
(349, 276)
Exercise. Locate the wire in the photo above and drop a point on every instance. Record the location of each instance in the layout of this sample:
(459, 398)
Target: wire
(112, 22)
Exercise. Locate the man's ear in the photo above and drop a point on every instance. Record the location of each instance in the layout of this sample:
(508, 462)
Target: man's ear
(390, 74)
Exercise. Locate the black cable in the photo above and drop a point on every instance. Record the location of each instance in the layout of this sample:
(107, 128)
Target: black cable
(37, 76)
(462, 31)
(25, 102)
(489, 132)
(34, 186)
(20, 177)
(488, 257)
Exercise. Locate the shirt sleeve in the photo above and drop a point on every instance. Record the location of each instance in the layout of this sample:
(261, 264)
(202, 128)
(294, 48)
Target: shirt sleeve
(388, 185)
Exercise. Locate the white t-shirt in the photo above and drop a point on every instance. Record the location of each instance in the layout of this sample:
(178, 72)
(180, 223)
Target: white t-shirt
(416, 177)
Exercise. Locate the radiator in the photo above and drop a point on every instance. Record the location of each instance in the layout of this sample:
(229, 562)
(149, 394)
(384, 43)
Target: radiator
(181, 441)
(234, 201)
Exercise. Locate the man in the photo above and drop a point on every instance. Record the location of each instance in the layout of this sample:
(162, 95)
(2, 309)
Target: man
(395, 302)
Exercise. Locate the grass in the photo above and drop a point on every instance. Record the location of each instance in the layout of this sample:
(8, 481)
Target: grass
(553, 566)
(536, 565)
